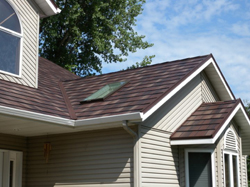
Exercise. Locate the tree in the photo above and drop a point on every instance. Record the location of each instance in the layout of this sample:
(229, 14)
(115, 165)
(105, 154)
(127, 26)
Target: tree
(89, 32)
(147, 60)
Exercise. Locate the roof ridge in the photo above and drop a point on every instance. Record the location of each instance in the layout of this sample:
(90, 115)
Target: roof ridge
(136, 69)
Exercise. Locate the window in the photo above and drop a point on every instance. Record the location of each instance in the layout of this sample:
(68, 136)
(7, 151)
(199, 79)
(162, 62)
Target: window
(10, 168)
(231, 166)
(199, 168)
(231, 169)
(10, 40)
(105, 91)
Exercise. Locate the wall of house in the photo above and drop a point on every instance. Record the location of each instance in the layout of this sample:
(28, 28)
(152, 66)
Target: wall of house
(156, 130)
(16, 143)
(218, 148)
(159, 161)
(93, 158)
(30, 25)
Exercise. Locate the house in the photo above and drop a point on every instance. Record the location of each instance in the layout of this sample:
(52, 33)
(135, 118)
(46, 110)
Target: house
(171, 124)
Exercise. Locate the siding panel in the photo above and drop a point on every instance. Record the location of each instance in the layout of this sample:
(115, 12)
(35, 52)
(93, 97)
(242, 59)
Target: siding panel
(159, 162)
(98, 158)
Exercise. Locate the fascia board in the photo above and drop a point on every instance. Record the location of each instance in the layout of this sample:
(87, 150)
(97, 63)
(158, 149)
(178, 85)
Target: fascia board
(53, 8)
(182, 84)
(108, 119)
(36, 116)
(214, 139)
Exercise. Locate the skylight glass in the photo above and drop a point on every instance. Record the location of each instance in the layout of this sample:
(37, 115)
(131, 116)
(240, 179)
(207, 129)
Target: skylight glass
(105, 91)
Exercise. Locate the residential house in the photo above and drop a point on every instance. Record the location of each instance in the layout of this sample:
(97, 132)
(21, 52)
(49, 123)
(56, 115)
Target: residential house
(166, 125)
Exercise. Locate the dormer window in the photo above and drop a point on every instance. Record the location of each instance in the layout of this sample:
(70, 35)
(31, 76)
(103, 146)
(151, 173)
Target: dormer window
(10, 40)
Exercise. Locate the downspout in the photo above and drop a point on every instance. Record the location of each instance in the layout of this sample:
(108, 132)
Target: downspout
(136, 152)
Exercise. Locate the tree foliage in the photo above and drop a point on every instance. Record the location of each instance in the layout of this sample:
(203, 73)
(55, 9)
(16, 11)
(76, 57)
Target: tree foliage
(89, 32)
(147, 60)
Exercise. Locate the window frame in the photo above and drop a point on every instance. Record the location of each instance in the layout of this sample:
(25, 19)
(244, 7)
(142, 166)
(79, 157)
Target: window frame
(231, 174)
(15, 34)
(199, 150)
(17, 157)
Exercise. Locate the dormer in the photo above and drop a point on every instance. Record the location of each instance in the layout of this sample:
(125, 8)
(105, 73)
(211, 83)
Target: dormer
(19, 38)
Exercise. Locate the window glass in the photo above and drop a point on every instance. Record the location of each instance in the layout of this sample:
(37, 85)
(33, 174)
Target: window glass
(11, 177)
(105, 91)
(235, 171)
(8, 17)
(200, 170)
(9, 53)
(227, 171)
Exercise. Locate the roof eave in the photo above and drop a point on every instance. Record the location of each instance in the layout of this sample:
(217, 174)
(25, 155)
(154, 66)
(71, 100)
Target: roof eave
(48, 7)
(239, 111)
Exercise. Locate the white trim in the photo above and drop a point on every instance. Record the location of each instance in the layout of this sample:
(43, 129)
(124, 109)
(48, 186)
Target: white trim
(36, 116)
(183, 83)
(211, 140)
(108, 119)
(231, 154)
(199, 151)
(53, 8)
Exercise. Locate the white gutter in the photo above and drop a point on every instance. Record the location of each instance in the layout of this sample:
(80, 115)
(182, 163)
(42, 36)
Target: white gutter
(36, 116)
(135, 151)
(68, 122)
(53, 8)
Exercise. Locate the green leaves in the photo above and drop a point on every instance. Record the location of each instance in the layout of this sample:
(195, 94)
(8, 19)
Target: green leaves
(89, 32)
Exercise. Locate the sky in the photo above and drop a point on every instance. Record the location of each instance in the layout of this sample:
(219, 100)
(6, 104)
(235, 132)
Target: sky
(187, 28)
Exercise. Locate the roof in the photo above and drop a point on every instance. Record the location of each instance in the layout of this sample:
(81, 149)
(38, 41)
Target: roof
(47, 99)
(146, 86)
(48, 7)
(60, 92)
(206, 121)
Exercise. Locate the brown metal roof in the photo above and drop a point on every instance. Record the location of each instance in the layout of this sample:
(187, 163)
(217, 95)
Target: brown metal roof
(146, 87)
(59, 92)
(47, 99)
(205, 121)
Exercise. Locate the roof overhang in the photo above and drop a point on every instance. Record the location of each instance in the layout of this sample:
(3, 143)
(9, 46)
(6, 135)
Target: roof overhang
(240, 116)
(214, 73)
(48, 7)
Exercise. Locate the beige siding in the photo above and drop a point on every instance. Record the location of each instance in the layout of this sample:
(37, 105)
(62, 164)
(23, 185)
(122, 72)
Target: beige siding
(174, 112)
(99, 158)
(16, 143)
(30, 25)
(244, 171)
(159, 162)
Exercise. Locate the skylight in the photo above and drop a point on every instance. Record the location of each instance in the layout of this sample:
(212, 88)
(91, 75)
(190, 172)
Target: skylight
(105, 91)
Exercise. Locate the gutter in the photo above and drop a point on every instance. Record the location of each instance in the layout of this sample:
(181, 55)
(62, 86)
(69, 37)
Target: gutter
(69, 122)
(135, 151)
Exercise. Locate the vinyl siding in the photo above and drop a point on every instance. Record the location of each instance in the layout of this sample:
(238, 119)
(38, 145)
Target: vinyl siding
(159, 162)
(175, 111)
(92, 158)
(16, 143)
(30, 24)
(244, 171)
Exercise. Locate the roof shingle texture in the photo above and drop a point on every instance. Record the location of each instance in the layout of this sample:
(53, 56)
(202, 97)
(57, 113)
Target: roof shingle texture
(205, 121)
(47, 99)
(146, 87)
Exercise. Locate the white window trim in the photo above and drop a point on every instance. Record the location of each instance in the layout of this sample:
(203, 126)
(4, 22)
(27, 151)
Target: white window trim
(231, 154)
(187, 164)
(20, 35)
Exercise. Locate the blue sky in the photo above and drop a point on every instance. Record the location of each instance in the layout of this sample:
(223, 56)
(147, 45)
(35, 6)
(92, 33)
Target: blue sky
(181, 29)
